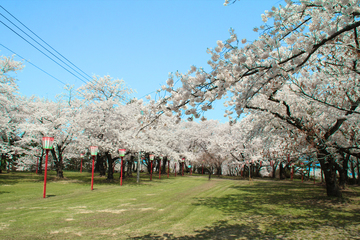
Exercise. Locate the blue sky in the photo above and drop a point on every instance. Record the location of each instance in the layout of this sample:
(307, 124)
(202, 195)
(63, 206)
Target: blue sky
(139, 41)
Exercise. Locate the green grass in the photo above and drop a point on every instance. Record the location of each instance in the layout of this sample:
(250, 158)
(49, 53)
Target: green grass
(174, 208)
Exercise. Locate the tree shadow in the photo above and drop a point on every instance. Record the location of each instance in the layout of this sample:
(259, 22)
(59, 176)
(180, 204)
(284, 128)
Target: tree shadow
(284, 207)
(220, 230)
(276, 210)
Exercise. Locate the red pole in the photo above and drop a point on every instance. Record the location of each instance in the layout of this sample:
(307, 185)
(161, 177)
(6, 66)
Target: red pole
(168, 168)
(191, 170)
(160, 169)
(175, 169)
(121, 174)
(37, 162)
(292, 173)
(151, 172)
(202, 171)
(81, 166)
(92, 175)
(183, 164)
(45, 175)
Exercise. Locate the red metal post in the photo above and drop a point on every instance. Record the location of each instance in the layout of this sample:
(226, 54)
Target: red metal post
(168, 168)
(160, 169)
(37, 163)
(151, 171)
(175, 169)
(121, 174)
(292, 173)
(81, 166)
(92, 173)
(45, 175)
(202, 171)
(183, 164)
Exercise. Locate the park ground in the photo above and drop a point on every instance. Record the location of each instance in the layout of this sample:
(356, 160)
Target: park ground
(188, 207)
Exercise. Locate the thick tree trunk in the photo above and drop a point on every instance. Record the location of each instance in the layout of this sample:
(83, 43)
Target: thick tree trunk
(58, 162)
(129, 166)
(358, 170)
(99, 164)
(273, 173)
(110, 175)
(329, 169)
(2, 162)
(257, 171)
(210, 172)
(40, 162)
(282, 172)
(343, 172)
(352, 166)
(164, 165)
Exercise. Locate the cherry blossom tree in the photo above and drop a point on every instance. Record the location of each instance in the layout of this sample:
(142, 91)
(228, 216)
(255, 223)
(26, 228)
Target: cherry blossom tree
(104, 118)
(11, 114)
(301, 70)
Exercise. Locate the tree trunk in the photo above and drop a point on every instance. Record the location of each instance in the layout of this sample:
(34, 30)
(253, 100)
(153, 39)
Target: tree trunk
(164, 165)
(327, 164)
(99, 164)
(282, 174)
(352, 166)
(358, 170)
(58, 162)
(2, 162)
(218, 170)
(129, 166)
(343, 171)
(148, 166)
(40, 162)
(273, 174)
(210, 172)
(110, 175)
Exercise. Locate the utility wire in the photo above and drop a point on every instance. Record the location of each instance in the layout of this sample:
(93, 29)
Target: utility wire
(127, 99)
(42, 52)
(44, 47)
(34, 65)
(91, 80)
(44, 41)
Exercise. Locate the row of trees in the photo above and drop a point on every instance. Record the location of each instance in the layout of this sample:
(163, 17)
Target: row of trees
(299, 81)
(292, 92)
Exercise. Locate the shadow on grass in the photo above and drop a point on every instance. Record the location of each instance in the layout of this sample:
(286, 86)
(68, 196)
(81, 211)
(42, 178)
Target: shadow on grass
(75, 177)
(278, 210)
(12, 178)
(282, 207)
(220, 230)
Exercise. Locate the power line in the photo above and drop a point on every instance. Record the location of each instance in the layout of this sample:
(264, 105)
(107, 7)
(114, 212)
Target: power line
(91, 81)
(34, 65)
(42, 46)
(44, 41)
(42, 52)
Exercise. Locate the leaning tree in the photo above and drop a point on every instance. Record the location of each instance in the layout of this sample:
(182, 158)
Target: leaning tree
(310, 51)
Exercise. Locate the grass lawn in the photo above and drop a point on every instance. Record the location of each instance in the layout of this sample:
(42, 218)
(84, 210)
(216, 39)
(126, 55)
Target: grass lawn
(190, 207)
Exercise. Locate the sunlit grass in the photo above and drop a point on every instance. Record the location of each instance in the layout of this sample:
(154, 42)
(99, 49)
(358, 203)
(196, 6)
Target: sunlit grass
(174, 208)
